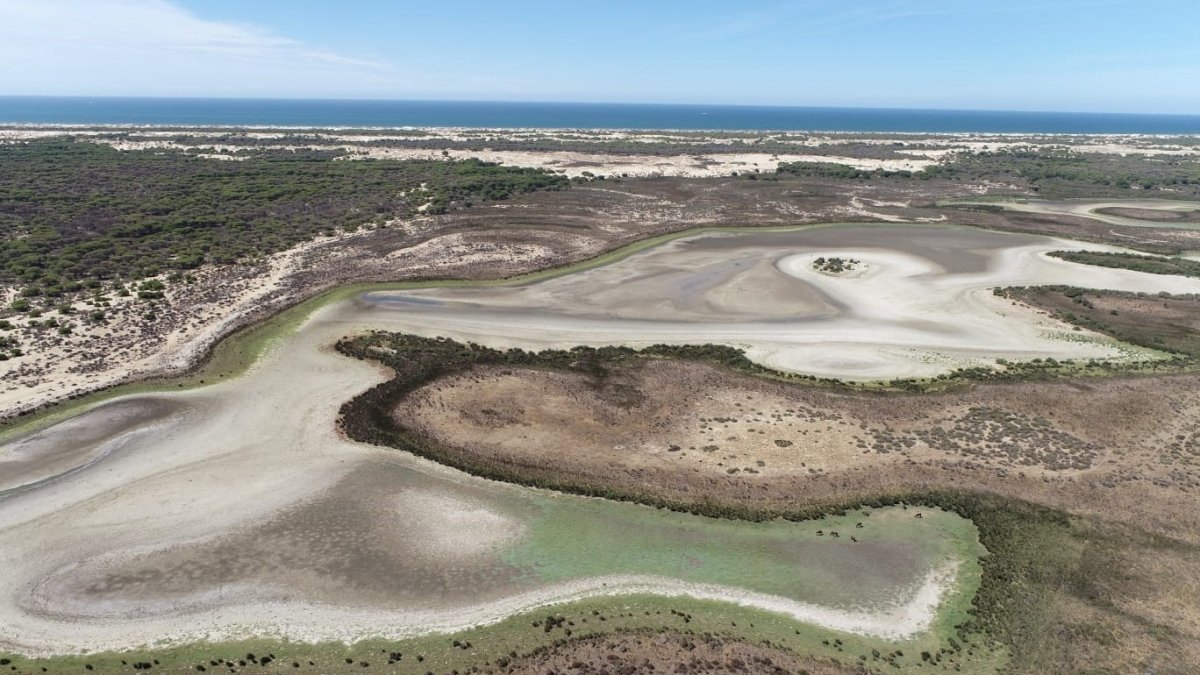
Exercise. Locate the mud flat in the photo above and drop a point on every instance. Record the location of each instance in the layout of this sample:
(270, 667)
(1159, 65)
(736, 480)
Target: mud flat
(237, 509)
(920, 303)
(1127, 212)
(241, 512)
(79, 442)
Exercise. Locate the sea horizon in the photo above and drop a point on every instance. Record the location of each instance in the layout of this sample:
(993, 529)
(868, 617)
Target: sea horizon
(361, 113)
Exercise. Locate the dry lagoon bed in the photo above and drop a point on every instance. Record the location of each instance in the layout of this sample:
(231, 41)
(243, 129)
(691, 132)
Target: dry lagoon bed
(918, 303)
(237, 508)
(240, 511)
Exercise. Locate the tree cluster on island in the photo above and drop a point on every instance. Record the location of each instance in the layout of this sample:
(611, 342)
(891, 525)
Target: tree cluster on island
(834, 265)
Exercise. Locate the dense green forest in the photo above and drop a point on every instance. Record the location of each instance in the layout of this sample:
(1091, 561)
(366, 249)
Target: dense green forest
(663, 144)
(73, 211)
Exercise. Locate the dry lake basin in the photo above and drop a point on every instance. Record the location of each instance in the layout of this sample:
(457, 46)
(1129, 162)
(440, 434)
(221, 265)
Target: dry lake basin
(237, 508)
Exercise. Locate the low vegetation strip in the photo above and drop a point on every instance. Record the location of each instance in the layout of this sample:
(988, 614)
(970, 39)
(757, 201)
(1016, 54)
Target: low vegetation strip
(1132, 261)
(1042, 567)
(1170, 323)
(839, 171)
(76, 212)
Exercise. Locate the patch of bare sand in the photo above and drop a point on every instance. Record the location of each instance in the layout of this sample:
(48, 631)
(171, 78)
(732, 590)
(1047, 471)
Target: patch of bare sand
(909, 614)
(138, 339)
(79, 442)
(456, 249)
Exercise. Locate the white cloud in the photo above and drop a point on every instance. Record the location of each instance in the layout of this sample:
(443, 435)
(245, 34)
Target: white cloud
(152, 47)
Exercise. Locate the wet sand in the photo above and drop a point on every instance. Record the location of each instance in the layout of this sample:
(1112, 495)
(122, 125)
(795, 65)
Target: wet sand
(77, 443)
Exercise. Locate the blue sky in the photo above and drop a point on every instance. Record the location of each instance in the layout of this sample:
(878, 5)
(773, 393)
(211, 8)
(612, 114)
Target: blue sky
(1073, 55)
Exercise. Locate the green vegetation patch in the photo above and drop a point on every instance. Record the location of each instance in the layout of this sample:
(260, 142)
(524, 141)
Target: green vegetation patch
(72, 211)
(1132, 261)
(835, 265)
(851, 560)
(1069, 173)
(838, 171)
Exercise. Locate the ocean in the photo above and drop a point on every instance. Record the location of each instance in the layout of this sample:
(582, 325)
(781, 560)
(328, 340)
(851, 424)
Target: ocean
(343, 113)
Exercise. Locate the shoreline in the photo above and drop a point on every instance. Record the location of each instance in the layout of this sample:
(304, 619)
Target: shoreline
(127, 126)
(898, 620)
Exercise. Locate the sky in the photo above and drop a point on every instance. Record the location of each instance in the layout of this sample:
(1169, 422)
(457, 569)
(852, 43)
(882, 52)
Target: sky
(1059, 55)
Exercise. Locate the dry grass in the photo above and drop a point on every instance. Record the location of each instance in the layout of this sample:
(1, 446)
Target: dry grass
(1096, 447)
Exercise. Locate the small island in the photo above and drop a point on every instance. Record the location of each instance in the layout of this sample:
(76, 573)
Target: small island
(835, 265)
